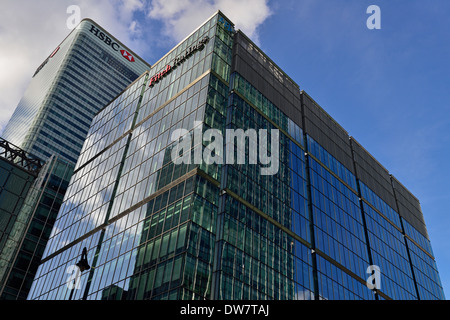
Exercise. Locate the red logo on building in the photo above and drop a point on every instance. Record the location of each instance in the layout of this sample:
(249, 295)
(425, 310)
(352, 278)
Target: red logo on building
(127, 55)
(54, 52)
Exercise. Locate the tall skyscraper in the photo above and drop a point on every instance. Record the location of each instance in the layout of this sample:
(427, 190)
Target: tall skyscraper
(213, 176)
(85, 71)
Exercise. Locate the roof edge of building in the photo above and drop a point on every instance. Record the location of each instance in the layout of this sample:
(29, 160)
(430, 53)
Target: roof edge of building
(324, 111)
(185, 38)
(403, 186)
(268, 58)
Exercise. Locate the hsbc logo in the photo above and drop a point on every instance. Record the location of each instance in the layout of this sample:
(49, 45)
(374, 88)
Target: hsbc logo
(127, 55)
(107, 40)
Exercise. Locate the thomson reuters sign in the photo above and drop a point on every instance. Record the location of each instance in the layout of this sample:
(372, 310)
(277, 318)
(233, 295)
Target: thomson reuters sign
(108, 41)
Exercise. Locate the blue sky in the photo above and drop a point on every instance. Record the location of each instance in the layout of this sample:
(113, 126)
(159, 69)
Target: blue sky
(389, 88)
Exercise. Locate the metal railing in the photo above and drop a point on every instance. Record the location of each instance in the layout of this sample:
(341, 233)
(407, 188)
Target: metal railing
(19, 157)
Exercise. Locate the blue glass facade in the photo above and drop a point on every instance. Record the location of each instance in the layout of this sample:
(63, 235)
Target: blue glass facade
(154, 229)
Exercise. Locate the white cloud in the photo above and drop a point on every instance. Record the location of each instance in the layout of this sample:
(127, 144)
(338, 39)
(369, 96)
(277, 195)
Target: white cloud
(23, 48)
(180, 17)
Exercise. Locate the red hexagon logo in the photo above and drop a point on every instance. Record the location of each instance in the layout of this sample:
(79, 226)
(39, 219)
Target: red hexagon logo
(127, 55)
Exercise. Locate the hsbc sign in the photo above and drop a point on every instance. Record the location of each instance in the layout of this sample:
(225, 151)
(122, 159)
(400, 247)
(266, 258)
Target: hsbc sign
(108, 41)
(127, 55)
(102, 36)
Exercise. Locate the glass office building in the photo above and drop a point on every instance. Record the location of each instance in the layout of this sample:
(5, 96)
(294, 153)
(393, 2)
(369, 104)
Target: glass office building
(18, 173)
(154, 228)
(24, 182)
(85, 71)
(40, 209)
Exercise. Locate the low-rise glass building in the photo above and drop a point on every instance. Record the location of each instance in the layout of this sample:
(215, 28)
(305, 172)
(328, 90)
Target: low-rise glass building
(325, 223)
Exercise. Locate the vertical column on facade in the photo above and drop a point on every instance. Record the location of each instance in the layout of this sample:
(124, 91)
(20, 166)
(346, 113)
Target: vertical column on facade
(215, 282)
(366, 233)
(404, 236)
(113, 195)
(310, 210)
(108, 213)
(379, 202)
(25, 214)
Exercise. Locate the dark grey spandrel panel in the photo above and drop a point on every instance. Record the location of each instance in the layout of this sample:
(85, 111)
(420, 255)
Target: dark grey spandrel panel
(261, 83)
(276, 99)
(257, 69)
(265, 62)
(374, 182)
(413, 220)
(373, 174)
(237, 64)
(413, 202)
(332, 129)
(409, 207)
(297, 102)
(270, 79)
(274, 96)
(323, 129)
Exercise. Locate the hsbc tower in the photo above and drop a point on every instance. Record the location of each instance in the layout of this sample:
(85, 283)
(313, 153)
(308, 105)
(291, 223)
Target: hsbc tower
(82, 74)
